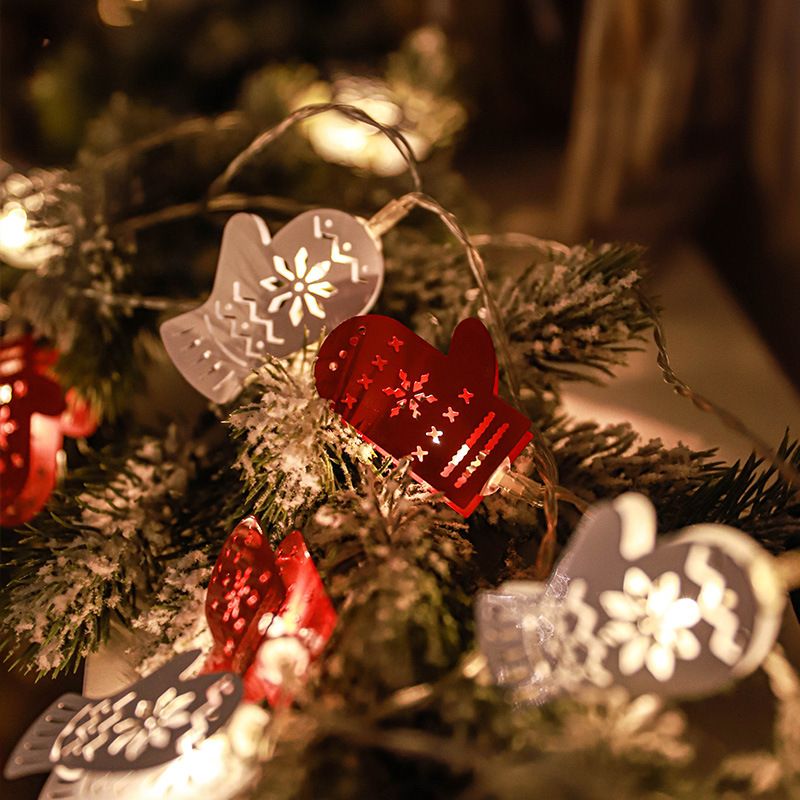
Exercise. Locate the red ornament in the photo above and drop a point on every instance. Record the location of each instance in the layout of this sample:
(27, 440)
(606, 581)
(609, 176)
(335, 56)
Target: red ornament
(264, 609)
(409, 399)
(33, 420)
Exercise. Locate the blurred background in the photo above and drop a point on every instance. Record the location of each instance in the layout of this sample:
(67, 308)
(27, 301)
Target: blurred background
(674, 123)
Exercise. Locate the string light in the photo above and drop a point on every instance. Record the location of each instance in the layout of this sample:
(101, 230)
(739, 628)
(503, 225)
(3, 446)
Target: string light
(346, 141)
(117, 13)
(14, 231)
(22, 243)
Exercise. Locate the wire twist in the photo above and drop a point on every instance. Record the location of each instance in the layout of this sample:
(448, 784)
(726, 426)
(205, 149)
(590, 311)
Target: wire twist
(787, 471)
(306, 112)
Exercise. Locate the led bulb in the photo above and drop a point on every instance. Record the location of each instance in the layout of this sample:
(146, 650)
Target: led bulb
(14, 231)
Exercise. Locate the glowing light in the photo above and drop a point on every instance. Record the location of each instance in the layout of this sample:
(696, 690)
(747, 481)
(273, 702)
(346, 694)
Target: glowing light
(14, 231)
(114, 13)
(199, 765)
(279, 659)
(651, 622)
(345, 137)
(246, 728)
(342, 140)
(683, 613)
(6, 393)
(22, 244)
(434, 434)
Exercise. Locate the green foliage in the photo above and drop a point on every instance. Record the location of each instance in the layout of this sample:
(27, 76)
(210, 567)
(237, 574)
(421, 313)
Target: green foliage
(569, 315)
(93, 555)
(398, 564)
(751, 496)
(294, 452)
(99, 551)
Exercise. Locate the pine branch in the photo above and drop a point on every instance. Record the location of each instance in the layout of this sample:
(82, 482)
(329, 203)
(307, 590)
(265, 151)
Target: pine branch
(687, 487)
(293, 451)
(569, 315)
(401, 561)
(174, 620)
(751, 496)
(94, 554)
(597, 462)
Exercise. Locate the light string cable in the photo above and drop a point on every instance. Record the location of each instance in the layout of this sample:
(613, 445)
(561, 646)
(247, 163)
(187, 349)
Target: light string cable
(306, 112)
(219, 199)
(785, 468)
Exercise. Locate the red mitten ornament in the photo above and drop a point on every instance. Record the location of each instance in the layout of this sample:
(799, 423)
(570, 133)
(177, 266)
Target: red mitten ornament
(409, 399)
(34, 416)
(267, 610)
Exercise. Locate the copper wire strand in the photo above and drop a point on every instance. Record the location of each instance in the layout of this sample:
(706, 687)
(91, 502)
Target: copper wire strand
(514, 239)
(231, 201)
(129, 302)
(306, 112)
(787, 471)
(194, 126)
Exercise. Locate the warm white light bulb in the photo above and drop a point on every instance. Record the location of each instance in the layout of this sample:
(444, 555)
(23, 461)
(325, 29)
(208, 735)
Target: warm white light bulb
(14, 231)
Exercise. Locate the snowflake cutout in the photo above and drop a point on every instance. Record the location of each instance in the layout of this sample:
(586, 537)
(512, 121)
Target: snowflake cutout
(434, 434)
(306, 283)
(420, 453)
(409, 394)
(450, 414)
(151, 723)
(236, 595)
(651, 621)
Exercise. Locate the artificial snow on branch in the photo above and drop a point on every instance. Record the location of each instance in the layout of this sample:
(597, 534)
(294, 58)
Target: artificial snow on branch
(94, 556)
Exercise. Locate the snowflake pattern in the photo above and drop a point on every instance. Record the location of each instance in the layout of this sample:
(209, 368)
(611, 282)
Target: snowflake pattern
(651, 622)
(150, 724)
(409, 394)
(240, 593)
(306, 285)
